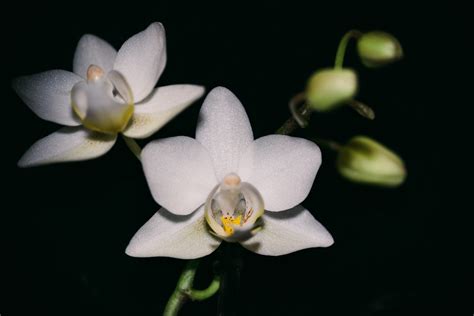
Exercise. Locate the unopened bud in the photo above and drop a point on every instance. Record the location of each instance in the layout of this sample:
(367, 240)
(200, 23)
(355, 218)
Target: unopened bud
(378, 48)
(366, 161)
(328, 88)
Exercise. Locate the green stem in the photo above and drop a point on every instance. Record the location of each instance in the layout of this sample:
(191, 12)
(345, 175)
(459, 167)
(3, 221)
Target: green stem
(363, 109)
(184, 290)
(327, 143)
(133, 146)
(341, 49)
(200, 295)
(296, 111)
(299, 116)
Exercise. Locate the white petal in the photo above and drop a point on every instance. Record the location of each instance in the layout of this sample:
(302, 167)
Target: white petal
(142, 58)
(224, 129)
(92, 50)
(161, 107)
(179, 173)
(48, 95)
(67, 144)
(169, 235)
(282, 168)
(287, 232)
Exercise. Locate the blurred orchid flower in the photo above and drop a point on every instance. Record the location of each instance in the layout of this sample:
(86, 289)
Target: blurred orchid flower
(224, 185)
(108, 93)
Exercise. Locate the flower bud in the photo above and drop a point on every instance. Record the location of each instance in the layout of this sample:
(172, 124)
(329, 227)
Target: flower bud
(366, 161)
(328, 88)
(378, 48)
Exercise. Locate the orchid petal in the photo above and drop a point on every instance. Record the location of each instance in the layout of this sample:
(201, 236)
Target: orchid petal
(65, 145)
(161, 107)
(169, 235)
(48, 95)
(92, 50)
(287, 232)
(224, 129)
(282, 168)
(142, 59)
(179, 173)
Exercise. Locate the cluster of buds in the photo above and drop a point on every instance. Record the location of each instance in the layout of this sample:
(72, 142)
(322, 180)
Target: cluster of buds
(331, 87)
(362, 159)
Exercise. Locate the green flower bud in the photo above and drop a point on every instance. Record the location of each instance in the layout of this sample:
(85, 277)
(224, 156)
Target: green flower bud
(366, 161)
(378, 48)
(328, 88)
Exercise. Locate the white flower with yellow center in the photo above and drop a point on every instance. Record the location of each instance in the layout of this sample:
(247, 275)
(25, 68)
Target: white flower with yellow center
(224, 185)
(108, 93)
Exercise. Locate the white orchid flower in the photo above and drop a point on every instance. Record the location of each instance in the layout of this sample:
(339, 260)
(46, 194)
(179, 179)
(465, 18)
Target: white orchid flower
(109, 92)
(224, 185)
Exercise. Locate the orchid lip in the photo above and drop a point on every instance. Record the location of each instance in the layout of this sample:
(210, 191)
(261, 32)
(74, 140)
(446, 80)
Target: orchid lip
(233, 209)
(104, 102)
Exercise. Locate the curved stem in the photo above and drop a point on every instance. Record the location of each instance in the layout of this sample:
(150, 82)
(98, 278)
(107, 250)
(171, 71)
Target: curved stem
(295, 110)
(363, 109)
(300, 116)
(341, 49)
(185, 282)
(133, 146)
(200, 295)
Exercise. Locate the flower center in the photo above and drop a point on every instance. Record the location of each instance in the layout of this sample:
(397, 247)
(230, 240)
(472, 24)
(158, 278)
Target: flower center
(233, 208)
(103, 102)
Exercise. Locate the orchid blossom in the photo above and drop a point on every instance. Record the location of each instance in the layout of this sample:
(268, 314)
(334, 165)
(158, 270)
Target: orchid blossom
(224, 185)
(108, 93)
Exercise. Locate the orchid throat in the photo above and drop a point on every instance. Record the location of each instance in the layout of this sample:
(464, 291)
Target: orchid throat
(103, 102)
(233, 209)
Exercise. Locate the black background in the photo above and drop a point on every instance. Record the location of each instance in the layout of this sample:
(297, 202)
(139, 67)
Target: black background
(397, 252)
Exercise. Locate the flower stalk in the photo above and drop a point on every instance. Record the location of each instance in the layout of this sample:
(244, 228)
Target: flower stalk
(331, 144)
(341, 49)
(363, 109)
(184, 290)
(200, 295)
(133, 146)
(230, 268)
(300, 115)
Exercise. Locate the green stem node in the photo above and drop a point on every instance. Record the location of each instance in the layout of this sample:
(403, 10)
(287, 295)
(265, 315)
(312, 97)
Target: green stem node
(184, 290)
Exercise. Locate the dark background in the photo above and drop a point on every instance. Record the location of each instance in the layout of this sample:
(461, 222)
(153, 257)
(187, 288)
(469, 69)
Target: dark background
(397, 252)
